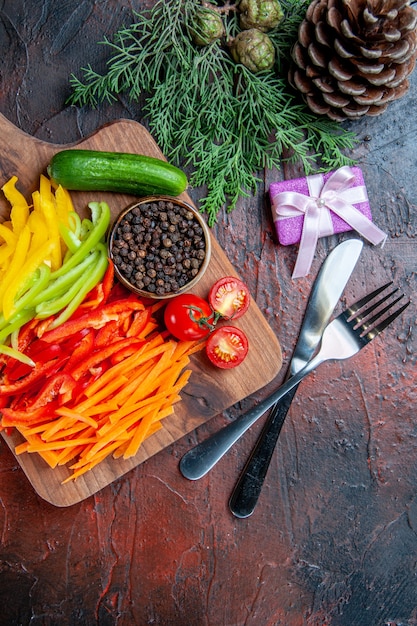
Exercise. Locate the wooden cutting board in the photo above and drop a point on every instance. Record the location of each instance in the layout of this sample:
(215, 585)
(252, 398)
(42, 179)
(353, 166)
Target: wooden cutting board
(209, 390)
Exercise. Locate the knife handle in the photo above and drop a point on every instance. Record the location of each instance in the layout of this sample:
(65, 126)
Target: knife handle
(245, 496)
(203, 457)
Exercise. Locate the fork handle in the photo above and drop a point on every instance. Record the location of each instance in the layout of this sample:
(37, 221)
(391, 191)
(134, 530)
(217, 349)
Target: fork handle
(202, 458)
(246, 493)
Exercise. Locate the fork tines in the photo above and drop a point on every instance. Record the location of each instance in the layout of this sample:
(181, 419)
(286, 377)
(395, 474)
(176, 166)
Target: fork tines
(360, 315)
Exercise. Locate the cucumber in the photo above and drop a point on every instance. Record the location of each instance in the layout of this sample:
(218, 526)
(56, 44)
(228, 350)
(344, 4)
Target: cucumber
(95, 170)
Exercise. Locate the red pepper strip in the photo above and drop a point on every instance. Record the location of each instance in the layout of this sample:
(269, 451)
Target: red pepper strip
(100, 293)
(129, 297)
(39, 351)
(56, 385)
(126, 325)
(124, 353)
(108, 333)
(16, 417)
(119, 292)
(140, 319)
(115, 328)
(26, 334)
(95, 297)
(90, 377)
(99, 356)
(108, 280)
(3, 402)
(38, 372)
(43, 325)
(93, 319)
(16, 371)
(93, 374)
(84, 348)
(69, 345)
(78, 391)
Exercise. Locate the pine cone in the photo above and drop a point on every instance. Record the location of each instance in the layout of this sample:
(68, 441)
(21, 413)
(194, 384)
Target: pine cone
(353, 57)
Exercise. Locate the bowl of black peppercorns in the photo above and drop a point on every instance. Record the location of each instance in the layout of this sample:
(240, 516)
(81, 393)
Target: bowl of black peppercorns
(160, 247)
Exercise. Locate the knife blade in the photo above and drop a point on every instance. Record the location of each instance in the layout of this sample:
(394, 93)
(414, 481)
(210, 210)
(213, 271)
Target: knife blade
(326, 292)
(202, 458)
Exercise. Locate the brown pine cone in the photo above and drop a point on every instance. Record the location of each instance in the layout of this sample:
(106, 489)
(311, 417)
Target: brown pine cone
(353, 57)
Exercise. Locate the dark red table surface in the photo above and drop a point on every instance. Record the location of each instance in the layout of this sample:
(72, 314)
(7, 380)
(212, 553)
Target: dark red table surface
(333, 540)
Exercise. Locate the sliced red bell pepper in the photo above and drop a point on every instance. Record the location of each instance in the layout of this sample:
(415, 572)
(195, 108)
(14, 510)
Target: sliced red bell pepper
(109, 332)
(100, 293)
(124, 353)
(43, 326)
(27, 334)
(99, 356)
(108, 280)
(22, 417)
(80, 352)
(140, 319)
(89, 377)
(93, 319)
(119, 292)
(59, 384)
(40, 352)
(3, 402)
(71, 344)
(38, 373)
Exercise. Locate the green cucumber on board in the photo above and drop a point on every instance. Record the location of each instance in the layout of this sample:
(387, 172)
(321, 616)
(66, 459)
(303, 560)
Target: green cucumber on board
(121, 172)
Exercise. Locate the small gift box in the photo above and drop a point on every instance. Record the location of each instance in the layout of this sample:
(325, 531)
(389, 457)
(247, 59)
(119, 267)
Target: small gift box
(305, 209)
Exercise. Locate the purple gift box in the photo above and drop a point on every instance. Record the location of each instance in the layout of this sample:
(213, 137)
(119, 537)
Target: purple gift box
(289, 229)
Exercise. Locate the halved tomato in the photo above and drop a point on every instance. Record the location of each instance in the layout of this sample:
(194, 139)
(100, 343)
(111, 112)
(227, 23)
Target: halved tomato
(227, 346)
(229, 297)
(188, 317)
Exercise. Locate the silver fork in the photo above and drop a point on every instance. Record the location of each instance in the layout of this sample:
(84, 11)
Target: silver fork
(348, 333)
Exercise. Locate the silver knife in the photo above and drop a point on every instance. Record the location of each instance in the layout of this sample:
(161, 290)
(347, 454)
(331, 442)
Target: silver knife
(202, 458)
(326, 291)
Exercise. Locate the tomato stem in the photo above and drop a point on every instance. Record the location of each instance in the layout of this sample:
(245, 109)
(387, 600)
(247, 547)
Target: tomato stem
(202, 321)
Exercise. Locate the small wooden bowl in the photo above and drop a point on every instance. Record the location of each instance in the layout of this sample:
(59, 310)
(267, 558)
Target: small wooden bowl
(149, 227)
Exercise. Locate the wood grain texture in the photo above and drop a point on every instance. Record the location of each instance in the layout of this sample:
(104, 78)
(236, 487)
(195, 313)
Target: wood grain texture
(334, 537)
(209, 390)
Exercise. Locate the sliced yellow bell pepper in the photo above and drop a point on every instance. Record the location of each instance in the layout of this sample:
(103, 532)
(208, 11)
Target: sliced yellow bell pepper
(48, 212)
(17, 261)
(12, 194)
(7, 246)
(64, 205)
(7, 234)
(31, 232)
(5, 254)
(38, 229)
(22, 278)
(49, 257)
(19, 217)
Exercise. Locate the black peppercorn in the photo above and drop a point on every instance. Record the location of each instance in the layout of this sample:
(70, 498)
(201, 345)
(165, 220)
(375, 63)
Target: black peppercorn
(159, 247)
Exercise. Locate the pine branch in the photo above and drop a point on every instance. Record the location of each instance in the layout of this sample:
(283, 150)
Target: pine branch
(224, 122)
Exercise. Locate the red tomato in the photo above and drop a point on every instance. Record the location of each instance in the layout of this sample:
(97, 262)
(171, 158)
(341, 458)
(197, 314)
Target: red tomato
(229, 297)
(188, 317)
(227, 347)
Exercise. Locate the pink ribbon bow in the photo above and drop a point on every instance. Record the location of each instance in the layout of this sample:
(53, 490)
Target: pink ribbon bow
(337, 195)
